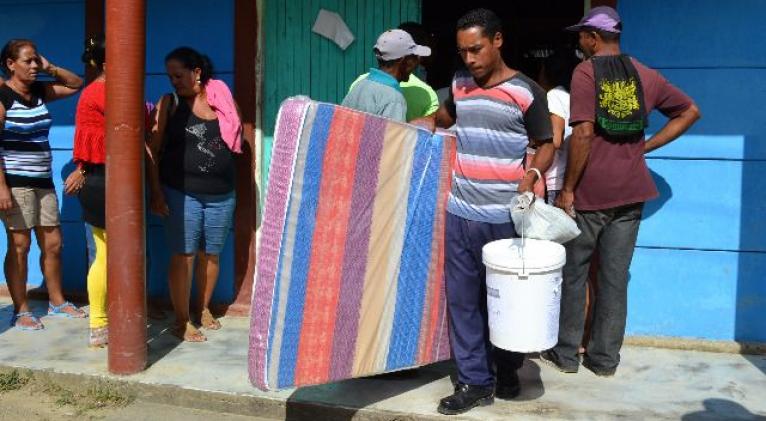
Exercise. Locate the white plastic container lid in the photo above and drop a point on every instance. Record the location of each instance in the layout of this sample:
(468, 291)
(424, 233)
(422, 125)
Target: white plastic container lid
(539, 255)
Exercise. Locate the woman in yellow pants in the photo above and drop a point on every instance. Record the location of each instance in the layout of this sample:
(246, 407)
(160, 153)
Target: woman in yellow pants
(88, 182)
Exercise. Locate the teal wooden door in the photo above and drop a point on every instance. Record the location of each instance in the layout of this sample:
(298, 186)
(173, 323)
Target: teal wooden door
(300, 62)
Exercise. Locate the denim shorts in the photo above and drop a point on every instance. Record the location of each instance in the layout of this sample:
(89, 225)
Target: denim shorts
(197, 222)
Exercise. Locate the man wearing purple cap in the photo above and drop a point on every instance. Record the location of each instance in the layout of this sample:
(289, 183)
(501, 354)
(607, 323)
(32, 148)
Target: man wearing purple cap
(379, 93)
(607, 182)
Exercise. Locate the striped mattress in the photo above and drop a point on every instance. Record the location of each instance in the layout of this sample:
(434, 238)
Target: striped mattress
(349, 278)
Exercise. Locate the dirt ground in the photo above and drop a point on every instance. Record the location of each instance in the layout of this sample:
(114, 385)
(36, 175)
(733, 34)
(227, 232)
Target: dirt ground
(24, 397)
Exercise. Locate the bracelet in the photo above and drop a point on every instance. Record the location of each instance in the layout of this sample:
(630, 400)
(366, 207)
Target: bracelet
(82, 172)
(536, 171)
(53, 71)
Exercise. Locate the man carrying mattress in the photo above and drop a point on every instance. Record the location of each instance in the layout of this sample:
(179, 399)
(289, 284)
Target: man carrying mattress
(498, 112)
(422, 102)
(379, 93)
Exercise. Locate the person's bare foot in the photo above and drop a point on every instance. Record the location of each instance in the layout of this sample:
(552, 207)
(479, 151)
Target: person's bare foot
(98, 337)
(25, 320)
(208, 321)
(66, 309)
(187, 332)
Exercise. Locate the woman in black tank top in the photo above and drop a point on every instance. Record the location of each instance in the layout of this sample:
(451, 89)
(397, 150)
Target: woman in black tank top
(195, 158)
(192, 184)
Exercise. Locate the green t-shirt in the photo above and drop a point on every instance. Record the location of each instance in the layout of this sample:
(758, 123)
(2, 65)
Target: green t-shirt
(421, 98)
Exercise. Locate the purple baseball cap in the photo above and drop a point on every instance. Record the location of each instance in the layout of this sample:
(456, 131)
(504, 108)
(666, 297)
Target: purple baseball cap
(603, 17)
(395, 44)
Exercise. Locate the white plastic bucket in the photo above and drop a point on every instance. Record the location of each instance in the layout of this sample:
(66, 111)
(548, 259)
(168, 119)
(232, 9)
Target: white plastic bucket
(523, 293)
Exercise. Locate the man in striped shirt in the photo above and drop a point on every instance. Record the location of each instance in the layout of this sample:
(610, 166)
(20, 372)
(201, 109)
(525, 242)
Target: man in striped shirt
(498, 113)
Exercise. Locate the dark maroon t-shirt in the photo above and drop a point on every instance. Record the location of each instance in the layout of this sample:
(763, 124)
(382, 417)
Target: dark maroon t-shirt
(616, 173)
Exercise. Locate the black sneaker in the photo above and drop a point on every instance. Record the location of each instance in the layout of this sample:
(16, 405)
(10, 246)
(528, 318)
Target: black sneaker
(465, 398)
(508, 385)
(601, 372)
(551, 359)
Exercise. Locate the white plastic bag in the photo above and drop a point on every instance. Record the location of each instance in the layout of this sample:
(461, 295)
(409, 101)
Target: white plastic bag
(536, 219)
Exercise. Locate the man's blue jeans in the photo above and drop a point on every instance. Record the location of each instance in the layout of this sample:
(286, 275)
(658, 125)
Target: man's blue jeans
(477, 360)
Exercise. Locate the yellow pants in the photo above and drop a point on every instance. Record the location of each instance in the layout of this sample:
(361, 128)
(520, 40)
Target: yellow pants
(97, 281)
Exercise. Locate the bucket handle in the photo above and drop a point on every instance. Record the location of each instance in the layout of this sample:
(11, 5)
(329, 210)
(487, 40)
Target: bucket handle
(523, 246)
(523, 236)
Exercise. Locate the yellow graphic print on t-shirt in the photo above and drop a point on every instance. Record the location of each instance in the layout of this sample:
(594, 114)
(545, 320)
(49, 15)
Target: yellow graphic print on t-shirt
(619, 97)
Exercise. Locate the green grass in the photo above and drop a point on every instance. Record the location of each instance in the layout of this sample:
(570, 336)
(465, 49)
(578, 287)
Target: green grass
(103, 395)
(12, 380)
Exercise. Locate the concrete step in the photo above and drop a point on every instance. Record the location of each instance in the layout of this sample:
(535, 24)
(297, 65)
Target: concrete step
(212, 376)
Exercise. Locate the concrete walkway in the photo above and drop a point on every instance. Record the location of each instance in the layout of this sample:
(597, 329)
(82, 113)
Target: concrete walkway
(650, 384)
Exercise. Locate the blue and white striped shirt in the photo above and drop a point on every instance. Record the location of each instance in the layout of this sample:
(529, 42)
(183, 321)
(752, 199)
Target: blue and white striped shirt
(25, 153)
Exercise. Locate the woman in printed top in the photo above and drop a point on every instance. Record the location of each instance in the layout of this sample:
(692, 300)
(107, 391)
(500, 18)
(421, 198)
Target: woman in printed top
(555, 77)
(88, 182)
(196, 133)
(27, 197)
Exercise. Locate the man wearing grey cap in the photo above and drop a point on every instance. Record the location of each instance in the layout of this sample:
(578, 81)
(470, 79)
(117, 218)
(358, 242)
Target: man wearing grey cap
(607, 182)
(379, 93)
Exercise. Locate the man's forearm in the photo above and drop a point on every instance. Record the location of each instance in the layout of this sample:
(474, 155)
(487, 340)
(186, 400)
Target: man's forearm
(541, 161)
(674, 128)
(543, 157)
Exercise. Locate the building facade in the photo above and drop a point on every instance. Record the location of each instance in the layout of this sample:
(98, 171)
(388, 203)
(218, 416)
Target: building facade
(697, 271)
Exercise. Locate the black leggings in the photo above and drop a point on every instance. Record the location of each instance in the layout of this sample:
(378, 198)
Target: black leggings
(92, 196)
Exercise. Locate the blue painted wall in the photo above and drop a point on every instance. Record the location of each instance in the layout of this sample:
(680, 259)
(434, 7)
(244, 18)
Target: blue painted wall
(58, 28)
(701, 253)
(698, 270)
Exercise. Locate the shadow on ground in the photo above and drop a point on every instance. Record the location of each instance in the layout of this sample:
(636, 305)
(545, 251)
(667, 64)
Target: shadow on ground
(722, 409)
(159, 340)
(38, 308)
(6, 312)
(345, 399)
(759, 361)
(532, 387)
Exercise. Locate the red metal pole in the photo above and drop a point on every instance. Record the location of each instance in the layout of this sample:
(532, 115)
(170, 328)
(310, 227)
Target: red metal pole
(125, 224)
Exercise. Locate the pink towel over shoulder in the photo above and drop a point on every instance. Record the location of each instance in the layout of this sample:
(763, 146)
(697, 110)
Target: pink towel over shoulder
(222, 102)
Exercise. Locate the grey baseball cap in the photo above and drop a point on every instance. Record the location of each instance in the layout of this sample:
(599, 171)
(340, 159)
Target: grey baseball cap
(603, 17)
(396, 43)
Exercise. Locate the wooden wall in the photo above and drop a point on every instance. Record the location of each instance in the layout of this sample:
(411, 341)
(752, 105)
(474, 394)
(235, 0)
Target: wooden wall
(300, 62)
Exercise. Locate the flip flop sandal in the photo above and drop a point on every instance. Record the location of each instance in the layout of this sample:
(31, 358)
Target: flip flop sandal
(99, 337)
(208, 321)
(189, 333)
(38, 325)
(60, 311)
